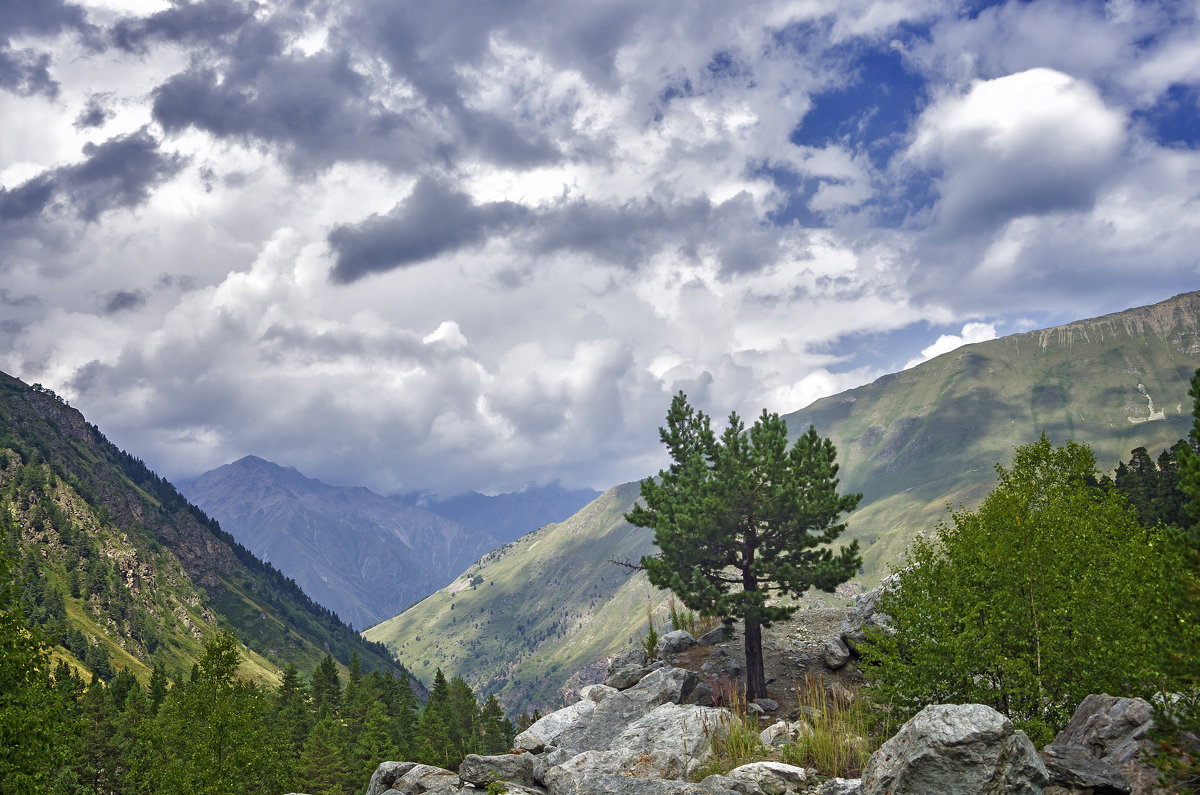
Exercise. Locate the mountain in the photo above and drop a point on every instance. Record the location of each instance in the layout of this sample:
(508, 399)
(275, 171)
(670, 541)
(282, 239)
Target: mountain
(912, 443)
(120, 570)
(509, 516)
(364, 556)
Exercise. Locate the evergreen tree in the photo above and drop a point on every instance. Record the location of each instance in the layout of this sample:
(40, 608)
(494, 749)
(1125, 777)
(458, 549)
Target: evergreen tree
(291, 712)
(372, 745)
(498, 732)
(36, 732)
(97, 761)
(326, 687)
(464, 714)
(740, 518)
(324, 767)
(158, 686)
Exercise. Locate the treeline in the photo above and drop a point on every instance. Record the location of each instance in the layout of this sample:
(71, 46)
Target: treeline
(215, 733)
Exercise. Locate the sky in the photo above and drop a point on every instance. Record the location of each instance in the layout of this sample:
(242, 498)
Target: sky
(452, 246)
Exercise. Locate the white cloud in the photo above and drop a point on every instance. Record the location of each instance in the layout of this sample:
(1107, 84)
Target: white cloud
(971, 332)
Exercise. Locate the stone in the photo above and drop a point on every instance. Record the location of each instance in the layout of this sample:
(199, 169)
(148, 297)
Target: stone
(596, 693)
(626, 677)
(768, 704)
(712, 637)
(837, 653)
(680, 730)
(616, 784)
(723, 784)
(1103, 741)
(1074, 768)
(427, 780)
(386, 775)
(866, 615)
(701, 695)
(674, 642)
(635, 655)
(955, 749)
(782, 732)
(514, 768)
(773, 778)
(548, 729)
(839, 786)
(627, 762)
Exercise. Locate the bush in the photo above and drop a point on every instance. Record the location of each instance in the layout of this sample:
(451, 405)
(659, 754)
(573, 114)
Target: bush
(1051, 590)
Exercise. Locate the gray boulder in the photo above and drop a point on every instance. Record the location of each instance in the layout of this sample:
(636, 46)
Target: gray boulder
(549, 728)
(955, 749)
(427, 780)
(680, 731)
(567, 777)
(626, 676)
(866, 614)
(712, 637)
(1103, 743)
(513, 768)
(773, 778)
(674, 642)
(386, 775)
(837, 653)
(839, 786)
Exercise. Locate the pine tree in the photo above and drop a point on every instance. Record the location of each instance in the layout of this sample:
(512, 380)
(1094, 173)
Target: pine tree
(323, 763)
(326, 687)
(291, 712)
(742, 517)
(498, 732)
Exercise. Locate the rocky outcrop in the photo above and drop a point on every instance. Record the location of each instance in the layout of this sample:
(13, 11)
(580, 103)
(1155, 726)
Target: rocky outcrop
(955, 749)
(867, 615)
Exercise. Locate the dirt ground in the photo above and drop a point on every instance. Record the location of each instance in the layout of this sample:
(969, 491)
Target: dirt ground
(791, 650)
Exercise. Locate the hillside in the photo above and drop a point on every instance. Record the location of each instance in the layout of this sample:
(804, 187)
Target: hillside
(362, 555)
(123, 571)
(912, 442)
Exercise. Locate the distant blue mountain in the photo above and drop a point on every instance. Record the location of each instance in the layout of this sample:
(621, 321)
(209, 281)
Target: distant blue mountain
(507, 517)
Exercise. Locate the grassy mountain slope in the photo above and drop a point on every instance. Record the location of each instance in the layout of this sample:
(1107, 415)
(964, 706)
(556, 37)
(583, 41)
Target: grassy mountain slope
(116, 558)
(912, 442)
(918, 440)
(527, 616)
(364, 556)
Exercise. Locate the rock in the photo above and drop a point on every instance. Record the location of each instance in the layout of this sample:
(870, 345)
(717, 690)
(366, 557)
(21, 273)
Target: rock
(837, 653)
(635, 655)
(548, 729)
(712, 638)
(682, 731)
(596, 693)
(626, 677)
(1074, 768)
(773, 778)
(955, 749)
(1103, 741)
(866, 615)
(627, 762)
(668, 685)
(514, 768)
(839, 786)
(615, 784)
(701, 695)
(768, 704)
(723, 784)
(427, 780)
(782, 732)
(549, 758)
(679, 640)
(386, 775)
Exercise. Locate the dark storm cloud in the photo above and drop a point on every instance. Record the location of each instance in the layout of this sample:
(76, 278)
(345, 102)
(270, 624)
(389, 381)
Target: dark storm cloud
(94, 113)
(117, 173)
(315, 107)
(42, 17)
(188, 23)
(435, 219)
(26, 72)
(121, 300)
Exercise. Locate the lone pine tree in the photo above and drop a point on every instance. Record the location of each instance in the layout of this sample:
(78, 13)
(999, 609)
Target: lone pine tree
(743, 517)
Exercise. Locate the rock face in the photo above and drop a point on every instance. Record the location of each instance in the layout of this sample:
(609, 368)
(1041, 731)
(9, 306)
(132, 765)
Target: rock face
(955, 749)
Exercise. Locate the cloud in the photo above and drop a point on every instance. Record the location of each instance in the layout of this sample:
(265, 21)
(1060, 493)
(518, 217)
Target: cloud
(433, 220)
(971, 332)
(123, 300)
(27, 72)
(1031, 143)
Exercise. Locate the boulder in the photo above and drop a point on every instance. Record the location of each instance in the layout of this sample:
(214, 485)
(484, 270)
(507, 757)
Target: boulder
(513, 768)
(839, 786)
(866, 614)
(773, 778)
(1103, 742)
(768, 704)
(682, 731)
(626, 677)
(674, 642)
(427, 780)
(548, 729)
(782, 732)
(837, 653)
(658, 765)
(955, 749)
(616, 784)
(712, 637)
(386, 775)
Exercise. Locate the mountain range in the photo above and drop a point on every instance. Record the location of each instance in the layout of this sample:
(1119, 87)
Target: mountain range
(523, 620)
(363, 555)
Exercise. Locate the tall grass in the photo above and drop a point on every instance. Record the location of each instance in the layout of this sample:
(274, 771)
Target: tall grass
(734, 740)
(684, 618)
(835, 740)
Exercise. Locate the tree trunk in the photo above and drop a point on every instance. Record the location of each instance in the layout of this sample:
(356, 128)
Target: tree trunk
(756, 679)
